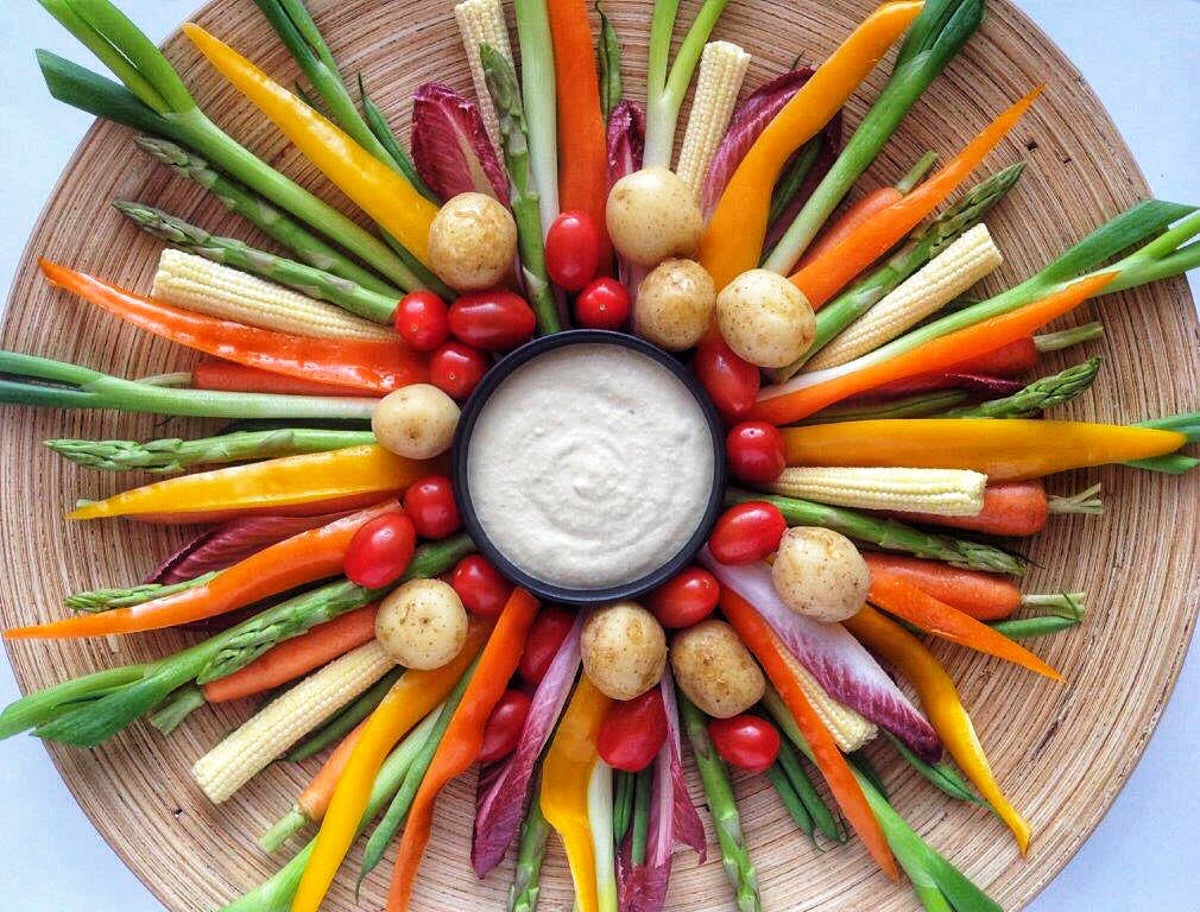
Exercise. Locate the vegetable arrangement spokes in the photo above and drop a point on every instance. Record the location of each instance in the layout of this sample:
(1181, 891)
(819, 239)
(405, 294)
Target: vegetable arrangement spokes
(883, 432)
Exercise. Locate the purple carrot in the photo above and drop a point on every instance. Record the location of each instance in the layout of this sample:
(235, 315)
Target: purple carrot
(450, 145)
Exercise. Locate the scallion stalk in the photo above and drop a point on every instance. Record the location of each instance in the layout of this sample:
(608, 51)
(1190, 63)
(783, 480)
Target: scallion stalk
(539, 104)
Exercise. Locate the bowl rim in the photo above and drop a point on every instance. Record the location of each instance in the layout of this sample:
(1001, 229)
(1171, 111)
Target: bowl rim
(473, 408)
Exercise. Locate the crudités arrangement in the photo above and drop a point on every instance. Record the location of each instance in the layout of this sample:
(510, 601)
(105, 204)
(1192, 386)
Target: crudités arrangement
(782, 424)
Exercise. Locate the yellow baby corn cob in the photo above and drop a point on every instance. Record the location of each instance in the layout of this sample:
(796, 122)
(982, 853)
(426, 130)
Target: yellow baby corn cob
(944, 492)
(722, 68)
(482, 22)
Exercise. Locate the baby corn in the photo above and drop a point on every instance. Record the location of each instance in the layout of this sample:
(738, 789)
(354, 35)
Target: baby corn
(943, 492)
(723, 67)
(482, 22)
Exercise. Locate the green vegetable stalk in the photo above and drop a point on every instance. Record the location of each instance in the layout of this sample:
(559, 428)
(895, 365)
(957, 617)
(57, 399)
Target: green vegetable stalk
(526, 188)
(943, 776)
(824, 821)
(96, 600)
(377, 123)
(600, 820)
(921, 405)
(531, 852)
(718, 791)
(1055, 613)
(1039, 396)
(937, 35)
(172, 454)
(535, 103)
(889, 534)
(608, 52)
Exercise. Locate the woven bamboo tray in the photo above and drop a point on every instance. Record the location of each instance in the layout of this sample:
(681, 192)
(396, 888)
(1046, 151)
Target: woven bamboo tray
(1062, 752)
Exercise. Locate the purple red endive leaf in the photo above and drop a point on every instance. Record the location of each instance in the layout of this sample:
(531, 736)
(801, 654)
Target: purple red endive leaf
(500, 799)
(838, 662)
(979, 386)
(626, 146)
(450, 146)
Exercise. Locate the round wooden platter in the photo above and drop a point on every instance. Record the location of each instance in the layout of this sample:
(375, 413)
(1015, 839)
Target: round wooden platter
(1061, 751)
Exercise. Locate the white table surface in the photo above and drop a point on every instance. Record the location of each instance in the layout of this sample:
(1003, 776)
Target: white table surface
(1142, 57)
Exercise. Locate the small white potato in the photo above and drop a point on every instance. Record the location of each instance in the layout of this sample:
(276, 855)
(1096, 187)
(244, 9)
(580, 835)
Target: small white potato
(416, 421)
(624, 650)
(819, 573)
(472, 242)
(422, 625)
(652, 215)
(715, 669)
(765, 319)
(674, 305)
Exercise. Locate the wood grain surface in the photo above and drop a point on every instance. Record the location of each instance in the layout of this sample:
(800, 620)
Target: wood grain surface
(1061, 751)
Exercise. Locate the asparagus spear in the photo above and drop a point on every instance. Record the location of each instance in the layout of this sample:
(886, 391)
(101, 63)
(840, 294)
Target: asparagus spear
(889, 534)
(262, 215)
(506, 95)
(172, 454)
(1037, 397)
(531, 852)
(719, 792)
(95, 600)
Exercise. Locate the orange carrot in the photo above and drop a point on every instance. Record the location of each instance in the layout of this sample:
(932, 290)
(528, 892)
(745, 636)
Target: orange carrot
(761, 640)
(1016, 508)
(984, 596)
(297, 656)
(904, 600)
(822, 277)
(785, 405)
(227, 376)
(582, 143)
(314, 800)
(858, 214)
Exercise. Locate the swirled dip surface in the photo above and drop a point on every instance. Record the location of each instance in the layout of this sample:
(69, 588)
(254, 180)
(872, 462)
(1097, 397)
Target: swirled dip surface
(590, 466)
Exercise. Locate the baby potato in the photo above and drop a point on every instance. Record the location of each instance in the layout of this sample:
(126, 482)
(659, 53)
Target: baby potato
(472, 242)
(716, 670)
(624, 650)
(423, 624)
(416, 421)
(819, 573)
(675, 304)
(765, 319)
(652, 215)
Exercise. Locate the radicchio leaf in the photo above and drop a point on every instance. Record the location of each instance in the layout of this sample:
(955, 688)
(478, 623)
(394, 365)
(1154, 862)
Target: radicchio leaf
(450, 145)
(626, 140)
(500, 799)
(840, 664)
(980, 386)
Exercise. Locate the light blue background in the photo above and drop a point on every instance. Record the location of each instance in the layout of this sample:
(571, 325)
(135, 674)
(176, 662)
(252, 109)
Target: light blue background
(1141, 56)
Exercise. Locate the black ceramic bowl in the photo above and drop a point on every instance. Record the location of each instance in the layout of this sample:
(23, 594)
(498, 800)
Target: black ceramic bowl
(462, 442)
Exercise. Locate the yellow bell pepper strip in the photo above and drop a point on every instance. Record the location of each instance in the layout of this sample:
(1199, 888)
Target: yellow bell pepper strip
(291, 484)
(411, 698)
(1008, 449)
(778, 663)
(566, 775)
(359, 366)
(942, 705)
(733, 240)
(461, 744)
(293, 562)
(379, 191)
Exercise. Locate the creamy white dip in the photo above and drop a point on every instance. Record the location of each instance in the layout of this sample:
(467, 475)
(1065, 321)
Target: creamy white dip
(590, 466)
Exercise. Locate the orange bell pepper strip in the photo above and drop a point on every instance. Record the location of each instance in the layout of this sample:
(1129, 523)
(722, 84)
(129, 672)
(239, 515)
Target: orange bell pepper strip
(566, 774)
(733, 240)
(942, 705)
(898, 597)
(582, 136)
(411, 698)
(296, 561)
(1008, 449)
(225, 376)
(311, 480)
(821, 277)
(771, 654)
(359, 366)
(382, 193)
(807, 394)
(463, 740)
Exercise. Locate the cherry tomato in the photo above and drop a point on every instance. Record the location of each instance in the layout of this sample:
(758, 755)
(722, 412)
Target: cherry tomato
(756, 451)
(429, 503)
(380, 551)
(603, 304)
(747, 533)
(573, 249)
(731, 382)
(503, 729)
(633, 732)
(456, 369)
(492, 320)
(422, 320)
(747, 742)
(484, 592)
(686, 599)
(546, 636)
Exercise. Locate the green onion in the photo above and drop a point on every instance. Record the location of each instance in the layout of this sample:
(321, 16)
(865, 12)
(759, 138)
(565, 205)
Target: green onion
(600, 822)
(538, 103)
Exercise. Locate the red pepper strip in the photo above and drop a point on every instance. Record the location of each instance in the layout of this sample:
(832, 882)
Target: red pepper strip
(355, 364)
(895, 595)
(463, 740)
(761, 640)
(295, 561)
(228, 377)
